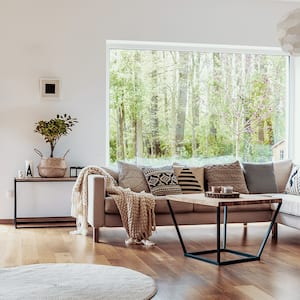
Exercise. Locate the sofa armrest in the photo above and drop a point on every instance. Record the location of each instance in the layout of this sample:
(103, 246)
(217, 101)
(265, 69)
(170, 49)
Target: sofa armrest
(96, 198)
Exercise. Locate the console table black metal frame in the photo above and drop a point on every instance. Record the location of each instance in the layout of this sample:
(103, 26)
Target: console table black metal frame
(34, 222)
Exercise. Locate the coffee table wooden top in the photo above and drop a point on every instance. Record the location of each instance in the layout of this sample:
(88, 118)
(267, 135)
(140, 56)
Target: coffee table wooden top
(244, 199)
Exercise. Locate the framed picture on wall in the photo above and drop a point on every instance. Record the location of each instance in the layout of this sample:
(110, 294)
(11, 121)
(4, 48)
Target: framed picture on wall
(50, 88)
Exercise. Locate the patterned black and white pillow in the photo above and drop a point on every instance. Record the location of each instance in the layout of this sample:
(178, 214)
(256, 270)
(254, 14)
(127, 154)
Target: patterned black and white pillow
(162, 181)
(293, 184)
(190, 179)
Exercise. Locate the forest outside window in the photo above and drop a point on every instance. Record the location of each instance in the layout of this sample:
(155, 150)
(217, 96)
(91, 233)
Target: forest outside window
(197, 107)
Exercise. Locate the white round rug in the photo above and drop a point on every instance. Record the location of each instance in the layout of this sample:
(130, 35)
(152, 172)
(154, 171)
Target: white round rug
(74, 281)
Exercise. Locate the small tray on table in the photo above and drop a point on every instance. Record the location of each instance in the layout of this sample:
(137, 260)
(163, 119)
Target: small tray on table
(222, 195)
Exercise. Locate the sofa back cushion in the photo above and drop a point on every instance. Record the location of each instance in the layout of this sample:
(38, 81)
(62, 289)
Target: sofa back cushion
(162, 181)
(260, 178)
(132, 176)
(113, 173)
(282, 171)
(227, 175)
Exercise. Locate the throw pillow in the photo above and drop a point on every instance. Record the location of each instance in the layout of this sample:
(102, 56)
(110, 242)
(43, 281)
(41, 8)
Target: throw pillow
(227, 175)
(260, 177)
(282, 171)
(190, 179)
(114, 174)
(162, 181)
(132, 176)
(293, 184)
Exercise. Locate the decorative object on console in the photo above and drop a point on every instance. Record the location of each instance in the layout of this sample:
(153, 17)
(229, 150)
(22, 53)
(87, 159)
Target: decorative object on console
(28, 168)
(226, 174)
(52, 131)
(288, 32)
(74, 171)
(162, 181)
(21, 174)
(293, 184)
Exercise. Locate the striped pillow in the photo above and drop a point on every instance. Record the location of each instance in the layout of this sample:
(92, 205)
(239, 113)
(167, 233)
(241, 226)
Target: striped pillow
(190, 179)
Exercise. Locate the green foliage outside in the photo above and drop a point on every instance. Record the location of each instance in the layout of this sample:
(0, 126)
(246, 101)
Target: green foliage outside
(192, 106)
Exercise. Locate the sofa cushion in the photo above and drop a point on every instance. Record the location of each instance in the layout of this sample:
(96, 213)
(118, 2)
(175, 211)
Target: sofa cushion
(282, 171)
(260, 177)
(162, 181)
(161, 206)
(227, 175)
(190, 179)
(132, 176)
(290, 204)
(293, 184)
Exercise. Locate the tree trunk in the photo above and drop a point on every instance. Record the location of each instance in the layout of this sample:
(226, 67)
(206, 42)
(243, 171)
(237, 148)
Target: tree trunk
(182, 100)
(120, 132)
(155, 145)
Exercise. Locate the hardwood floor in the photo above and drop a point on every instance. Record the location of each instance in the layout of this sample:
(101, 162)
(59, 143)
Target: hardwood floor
(276, 276)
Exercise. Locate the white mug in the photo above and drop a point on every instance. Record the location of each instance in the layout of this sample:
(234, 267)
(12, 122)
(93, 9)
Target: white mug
(21, 174)
(28, 168)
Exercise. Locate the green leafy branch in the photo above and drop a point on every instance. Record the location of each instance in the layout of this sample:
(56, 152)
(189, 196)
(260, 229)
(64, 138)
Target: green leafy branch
(55, 128)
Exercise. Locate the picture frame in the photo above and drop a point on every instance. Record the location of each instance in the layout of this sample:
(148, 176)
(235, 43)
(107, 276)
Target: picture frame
(50, 89)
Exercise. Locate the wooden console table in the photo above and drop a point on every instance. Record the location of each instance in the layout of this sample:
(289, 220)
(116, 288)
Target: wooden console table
(27, 222)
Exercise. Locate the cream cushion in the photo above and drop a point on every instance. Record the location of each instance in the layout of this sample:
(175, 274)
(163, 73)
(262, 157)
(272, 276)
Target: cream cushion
(131, 176)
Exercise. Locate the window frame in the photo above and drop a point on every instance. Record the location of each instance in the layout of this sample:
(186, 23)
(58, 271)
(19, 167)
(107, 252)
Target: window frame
(208, 48)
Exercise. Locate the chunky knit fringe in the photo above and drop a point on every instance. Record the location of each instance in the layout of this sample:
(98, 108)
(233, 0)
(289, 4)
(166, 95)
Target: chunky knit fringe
(136, 209)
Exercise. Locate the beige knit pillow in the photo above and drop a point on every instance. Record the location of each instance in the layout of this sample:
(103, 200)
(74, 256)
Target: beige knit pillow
(132, 176)
(226, 174)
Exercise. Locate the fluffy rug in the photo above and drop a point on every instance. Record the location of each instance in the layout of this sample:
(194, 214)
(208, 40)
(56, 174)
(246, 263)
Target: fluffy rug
(74, 281)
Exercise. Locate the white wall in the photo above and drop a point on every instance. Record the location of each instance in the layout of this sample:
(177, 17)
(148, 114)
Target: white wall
(66, 39)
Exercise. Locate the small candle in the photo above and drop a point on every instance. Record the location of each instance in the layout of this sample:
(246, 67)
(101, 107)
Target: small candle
(216, 189)
(227, 189)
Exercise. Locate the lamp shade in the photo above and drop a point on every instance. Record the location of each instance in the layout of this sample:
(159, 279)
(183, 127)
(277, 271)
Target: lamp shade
(288, 32)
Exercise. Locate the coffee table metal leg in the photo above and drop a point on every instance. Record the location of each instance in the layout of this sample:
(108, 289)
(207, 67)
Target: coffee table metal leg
(176, 226)
(218, 236)
(225, 228)
(262, 246)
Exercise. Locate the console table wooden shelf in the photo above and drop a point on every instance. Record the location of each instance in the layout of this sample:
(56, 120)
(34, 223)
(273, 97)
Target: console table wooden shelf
(49, 221)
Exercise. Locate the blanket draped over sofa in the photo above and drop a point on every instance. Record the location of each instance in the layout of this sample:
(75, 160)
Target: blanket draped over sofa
(136, 209)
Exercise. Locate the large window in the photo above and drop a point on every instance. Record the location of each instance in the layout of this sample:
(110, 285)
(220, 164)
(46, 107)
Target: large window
(197, 107)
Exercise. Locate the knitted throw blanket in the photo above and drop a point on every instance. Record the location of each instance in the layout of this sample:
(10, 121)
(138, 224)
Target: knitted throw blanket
(136, 209)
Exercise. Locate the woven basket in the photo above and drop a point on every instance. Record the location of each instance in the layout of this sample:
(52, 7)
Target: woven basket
(52, 167)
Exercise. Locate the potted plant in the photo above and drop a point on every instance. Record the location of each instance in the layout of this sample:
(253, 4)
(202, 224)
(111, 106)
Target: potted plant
(52, 131)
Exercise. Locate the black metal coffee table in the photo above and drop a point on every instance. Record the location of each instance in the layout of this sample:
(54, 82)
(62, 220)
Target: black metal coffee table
(220, 203)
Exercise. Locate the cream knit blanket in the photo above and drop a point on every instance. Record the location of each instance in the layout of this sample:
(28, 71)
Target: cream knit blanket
(136, 209)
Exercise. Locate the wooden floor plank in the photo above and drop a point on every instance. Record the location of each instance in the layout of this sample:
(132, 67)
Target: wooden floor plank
(276, 276)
